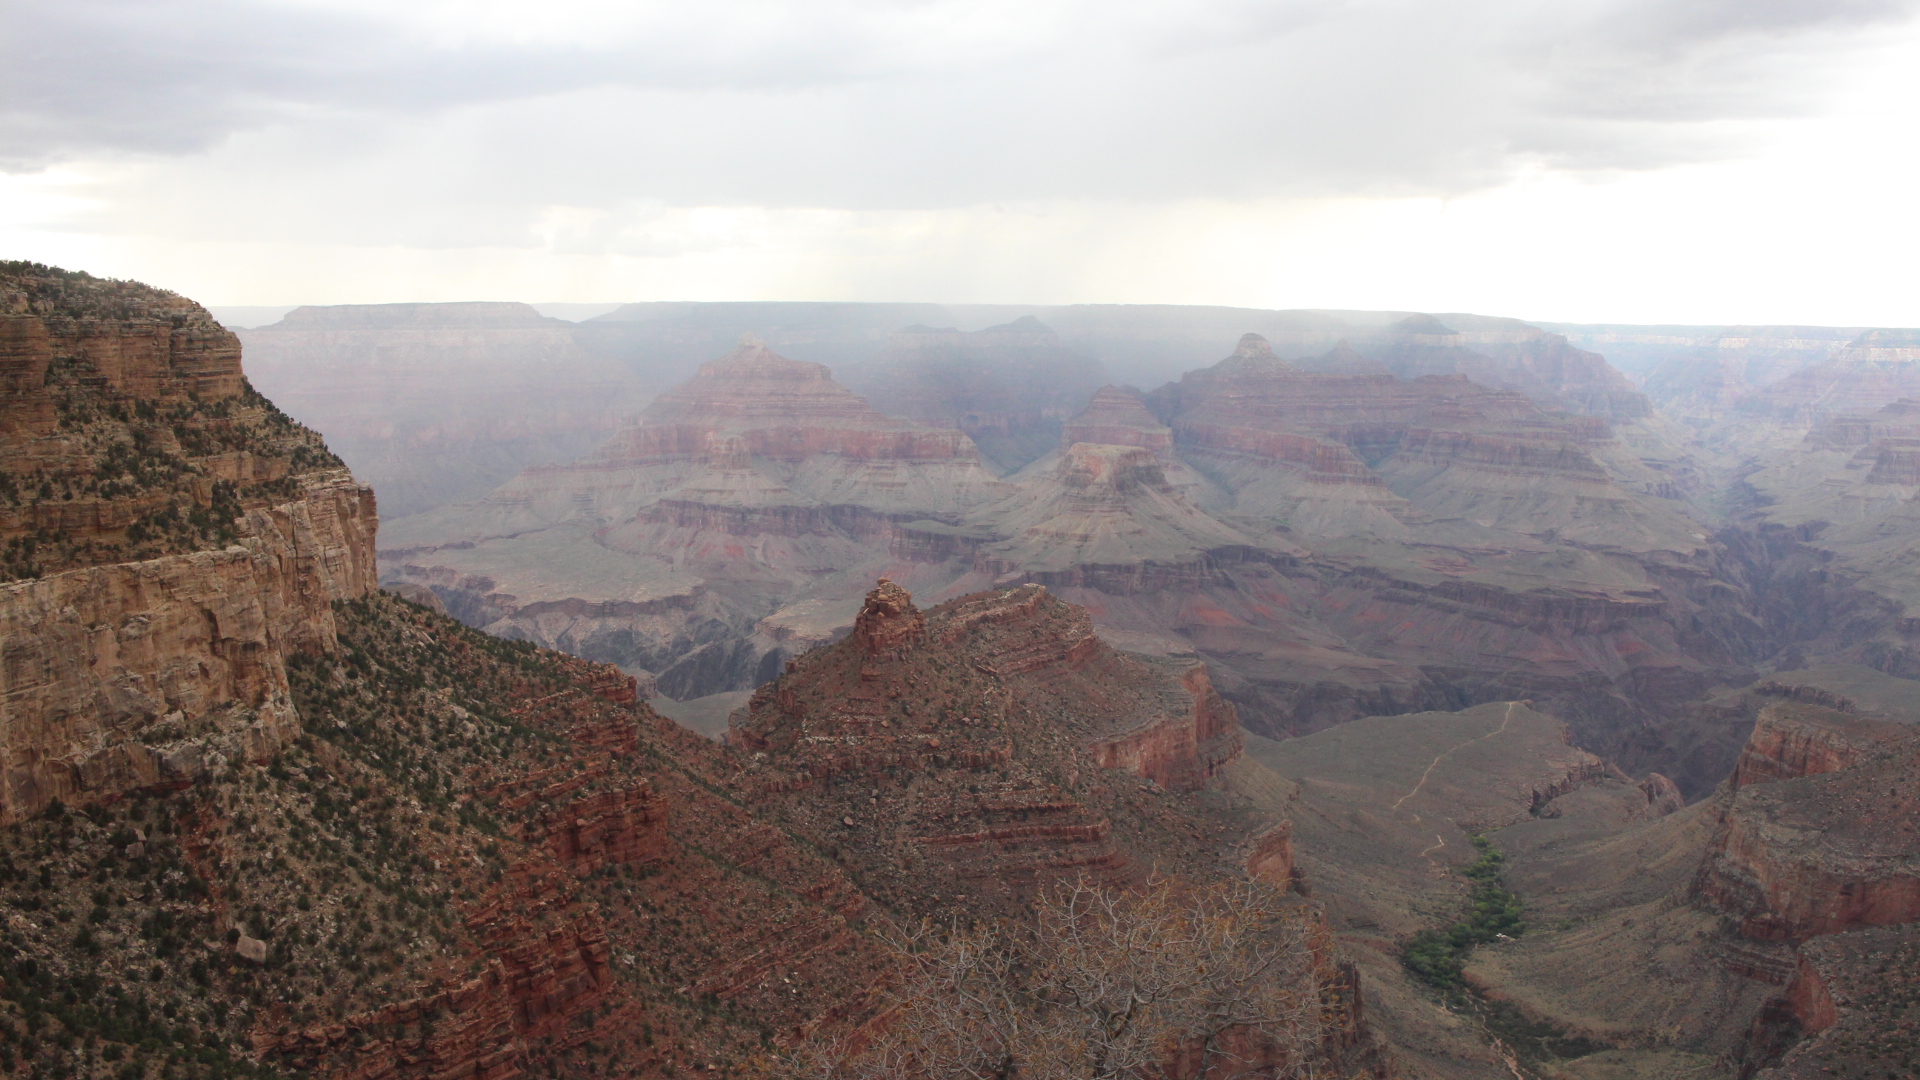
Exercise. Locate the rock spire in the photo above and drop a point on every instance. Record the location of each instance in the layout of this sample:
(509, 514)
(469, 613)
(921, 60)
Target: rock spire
(888, 624)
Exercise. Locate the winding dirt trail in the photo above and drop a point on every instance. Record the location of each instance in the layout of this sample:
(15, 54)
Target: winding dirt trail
(1440, 840)
(1505, 719)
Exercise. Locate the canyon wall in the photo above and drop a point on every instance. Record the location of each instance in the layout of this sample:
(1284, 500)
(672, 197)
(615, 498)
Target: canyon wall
(177, 539)
(1333, 541)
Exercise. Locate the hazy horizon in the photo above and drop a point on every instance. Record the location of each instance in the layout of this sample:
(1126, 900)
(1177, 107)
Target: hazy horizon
(1709, 163)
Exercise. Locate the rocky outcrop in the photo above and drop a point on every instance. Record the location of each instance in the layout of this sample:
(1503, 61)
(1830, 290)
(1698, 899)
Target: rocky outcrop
(1791, 740)
(199, 544)
(1816, 836)
(888, 623)
(1272, 857)
(1007, 722)
(1183, 752)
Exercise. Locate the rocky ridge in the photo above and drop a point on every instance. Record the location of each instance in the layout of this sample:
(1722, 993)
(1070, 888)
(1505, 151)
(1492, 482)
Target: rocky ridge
(959, 759)
(179, 539)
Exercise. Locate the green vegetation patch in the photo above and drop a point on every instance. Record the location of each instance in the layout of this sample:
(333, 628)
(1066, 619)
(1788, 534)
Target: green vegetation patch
(1436, 957)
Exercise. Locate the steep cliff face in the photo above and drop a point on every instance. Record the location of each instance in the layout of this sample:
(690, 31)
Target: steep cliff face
(1813, 859)
(1791, 740)
(1830, 849)
(179, 539)
(1849, 1010)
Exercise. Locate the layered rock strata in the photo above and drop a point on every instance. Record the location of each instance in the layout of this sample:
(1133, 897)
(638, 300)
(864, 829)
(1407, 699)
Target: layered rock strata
(1816, 832)
(179, 540)
(999, 726)
(1335, 543)
(729, 527)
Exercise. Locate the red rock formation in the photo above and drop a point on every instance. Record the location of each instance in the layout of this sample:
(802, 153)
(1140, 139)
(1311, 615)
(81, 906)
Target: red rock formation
(608, 828)
(1830, 849)
(1272, 857)
(1180, 752)
(888, 624)
(1008, 721)
(1118, 416)
(1663, 796)
(1792, 739)
(148, 644)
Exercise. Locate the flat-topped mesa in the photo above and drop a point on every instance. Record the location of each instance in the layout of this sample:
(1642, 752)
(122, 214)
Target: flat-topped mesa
(785, 410)
(1118, 416)
(889, 623)
(472, 314)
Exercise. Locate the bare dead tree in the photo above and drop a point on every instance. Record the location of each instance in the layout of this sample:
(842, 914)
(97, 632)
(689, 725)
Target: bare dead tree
(1168, 982)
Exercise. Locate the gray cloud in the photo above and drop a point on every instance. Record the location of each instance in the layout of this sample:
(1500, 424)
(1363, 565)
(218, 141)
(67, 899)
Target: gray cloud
(909, 105)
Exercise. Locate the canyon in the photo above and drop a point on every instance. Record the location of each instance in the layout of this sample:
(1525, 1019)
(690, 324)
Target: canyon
(1334, 537)
(325, 830)
(1375, 602)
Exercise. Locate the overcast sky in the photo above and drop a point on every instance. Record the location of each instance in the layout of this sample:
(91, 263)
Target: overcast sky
(1604, 160)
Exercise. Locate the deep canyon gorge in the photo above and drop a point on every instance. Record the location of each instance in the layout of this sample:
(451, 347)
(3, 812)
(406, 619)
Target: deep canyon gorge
(692, 651)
